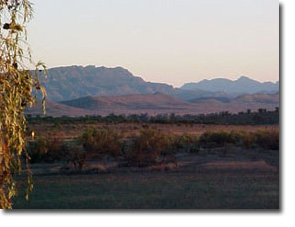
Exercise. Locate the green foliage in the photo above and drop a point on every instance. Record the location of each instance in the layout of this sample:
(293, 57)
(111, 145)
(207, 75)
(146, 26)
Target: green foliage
(45, 150)
(101, 141)
(219, 138)
(242, 118)
(73, 153)
(16, 87)
(268, 139)
(186, 141)
(38, 150)
(247, 140)
(147, 148)
(50, 150)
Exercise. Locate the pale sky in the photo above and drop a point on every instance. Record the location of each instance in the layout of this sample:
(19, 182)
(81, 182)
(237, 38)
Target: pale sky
(171, 41)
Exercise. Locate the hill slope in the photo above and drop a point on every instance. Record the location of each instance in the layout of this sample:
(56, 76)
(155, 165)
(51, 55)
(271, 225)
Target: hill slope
(153, 104)
(131, 104)
(57, 110)
(164, 104)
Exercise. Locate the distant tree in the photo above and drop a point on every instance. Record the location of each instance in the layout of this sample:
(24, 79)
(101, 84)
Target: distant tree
(17, 85)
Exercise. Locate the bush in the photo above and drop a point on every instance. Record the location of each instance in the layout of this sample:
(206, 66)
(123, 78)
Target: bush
(247, 140)
(73, 153)
(101, 142)
(45, 150)
(146, 149)
(268, 139)
(186, 141)
(54, 146)
(219, 138)
(38, 150)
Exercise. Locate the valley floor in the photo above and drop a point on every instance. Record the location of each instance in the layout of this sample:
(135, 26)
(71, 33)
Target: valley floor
(241, 179)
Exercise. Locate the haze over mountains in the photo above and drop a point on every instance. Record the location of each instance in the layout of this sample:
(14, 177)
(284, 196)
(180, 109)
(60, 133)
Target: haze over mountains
(78, 91)
(66, 83)
(72, 82)
(241, 85)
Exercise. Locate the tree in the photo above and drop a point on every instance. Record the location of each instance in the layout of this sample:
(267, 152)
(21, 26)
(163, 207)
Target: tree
(18, 88)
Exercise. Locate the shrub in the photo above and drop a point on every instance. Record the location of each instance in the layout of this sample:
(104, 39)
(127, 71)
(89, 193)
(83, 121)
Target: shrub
(146, 149)
(186, 141)
(219, 138)
(38, 150)
(248, 140)
(268, 139)
(73, 153)
(44, 150)
(101, 142)
(54, 146)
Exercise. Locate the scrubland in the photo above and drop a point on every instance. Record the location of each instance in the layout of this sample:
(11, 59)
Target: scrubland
(153, 166)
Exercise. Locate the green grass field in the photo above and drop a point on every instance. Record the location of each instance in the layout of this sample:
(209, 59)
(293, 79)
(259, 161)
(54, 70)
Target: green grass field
(148, 190)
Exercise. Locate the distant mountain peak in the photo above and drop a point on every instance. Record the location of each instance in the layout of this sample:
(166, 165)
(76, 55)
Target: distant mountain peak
(90, 66)
(72, 82)
(245, 78)
(243, 85)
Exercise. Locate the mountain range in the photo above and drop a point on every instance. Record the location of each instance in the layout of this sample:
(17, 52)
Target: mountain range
(79, 91)
(242, 85)
(72, 82)
(66, 83)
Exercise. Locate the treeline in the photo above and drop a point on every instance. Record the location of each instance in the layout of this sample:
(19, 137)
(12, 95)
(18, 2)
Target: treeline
(260, 117)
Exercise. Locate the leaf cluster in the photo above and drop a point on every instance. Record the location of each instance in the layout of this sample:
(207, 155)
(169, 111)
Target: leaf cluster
(17, 88)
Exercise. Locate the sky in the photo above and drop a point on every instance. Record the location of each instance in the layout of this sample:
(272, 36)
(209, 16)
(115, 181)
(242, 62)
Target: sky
(170, 41)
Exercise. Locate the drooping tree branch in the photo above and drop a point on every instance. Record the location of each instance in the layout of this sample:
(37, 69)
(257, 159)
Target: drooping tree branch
(17, 84)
